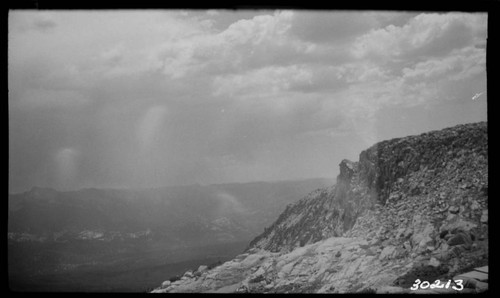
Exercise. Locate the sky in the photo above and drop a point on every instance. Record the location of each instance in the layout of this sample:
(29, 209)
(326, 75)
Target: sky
(151, 98)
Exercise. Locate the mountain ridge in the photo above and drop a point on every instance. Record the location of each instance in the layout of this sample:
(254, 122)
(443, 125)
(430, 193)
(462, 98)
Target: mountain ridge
(407, 204)
(52, 190)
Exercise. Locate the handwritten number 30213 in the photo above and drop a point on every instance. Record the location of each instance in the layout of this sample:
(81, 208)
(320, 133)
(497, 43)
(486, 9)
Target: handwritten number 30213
(437, 285)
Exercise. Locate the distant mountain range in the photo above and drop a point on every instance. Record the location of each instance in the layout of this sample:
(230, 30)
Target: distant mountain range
(52, 232)
(185, 215)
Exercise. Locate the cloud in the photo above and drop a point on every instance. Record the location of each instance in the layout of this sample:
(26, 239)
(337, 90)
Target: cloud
(93, 46)
(458, 66)
(426, 35)
(327, 27)
(212, 12)
(261, 81)
(245, 44)
(178, 97)
(335, 78)
(29, 20)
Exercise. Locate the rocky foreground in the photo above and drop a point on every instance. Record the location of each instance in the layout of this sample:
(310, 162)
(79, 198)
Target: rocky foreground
(410, 208)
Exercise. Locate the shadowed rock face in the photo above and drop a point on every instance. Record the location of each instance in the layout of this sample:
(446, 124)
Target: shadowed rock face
(430, 172)
(407, 203)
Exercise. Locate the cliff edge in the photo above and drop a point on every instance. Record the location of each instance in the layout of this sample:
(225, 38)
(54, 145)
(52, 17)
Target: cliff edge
(412, 207)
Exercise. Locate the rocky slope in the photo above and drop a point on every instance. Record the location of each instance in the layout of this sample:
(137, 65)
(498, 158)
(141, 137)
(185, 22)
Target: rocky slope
(412, 207)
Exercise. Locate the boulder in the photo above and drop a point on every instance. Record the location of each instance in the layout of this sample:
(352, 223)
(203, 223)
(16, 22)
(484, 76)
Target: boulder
(475, 205)
(434, 262)
(364, 245)
(458, 224)
(484, 217)
(159, 291)
(374, 242)
(202, 268)
(370, 252)
(165, 284)
(388, 252)
(443, 234)
(423, 231)
(258, 276)
(242, 289)
(269, 286)
(459, 238)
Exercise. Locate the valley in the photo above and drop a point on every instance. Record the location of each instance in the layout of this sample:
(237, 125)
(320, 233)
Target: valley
(108, 240)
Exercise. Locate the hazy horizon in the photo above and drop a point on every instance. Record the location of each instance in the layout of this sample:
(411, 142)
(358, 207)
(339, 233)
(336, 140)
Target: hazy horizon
(154, 98)
(173, 185)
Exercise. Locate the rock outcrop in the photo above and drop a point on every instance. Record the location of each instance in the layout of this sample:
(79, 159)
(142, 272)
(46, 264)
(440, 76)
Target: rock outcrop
(413, 207)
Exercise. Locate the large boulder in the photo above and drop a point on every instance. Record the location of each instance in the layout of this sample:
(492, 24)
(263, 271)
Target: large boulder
(484, 217)
(165, 284)
(434, 262)
(457, 224)
(460, 238)
(388, 252)
(202, 269)
(422, 233)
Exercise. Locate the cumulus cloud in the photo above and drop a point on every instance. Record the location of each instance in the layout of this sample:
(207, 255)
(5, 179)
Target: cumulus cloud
(177, 97)
(460, 65)
(245, 44)
(423, 36)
